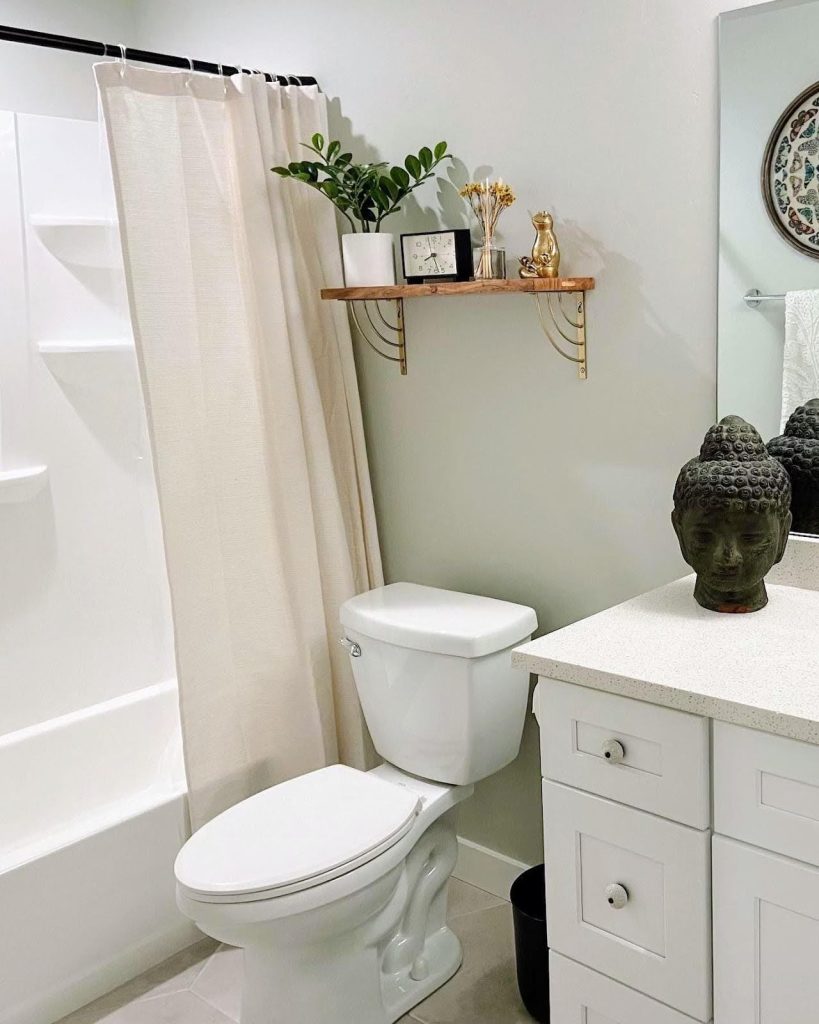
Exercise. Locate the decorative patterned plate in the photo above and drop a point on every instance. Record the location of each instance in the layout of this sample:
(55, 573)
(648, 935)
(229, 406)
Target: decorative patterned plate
(790, 173)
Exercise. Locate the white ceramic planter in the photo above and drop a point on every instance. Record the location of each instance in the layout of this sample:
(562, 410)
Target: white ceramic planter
(368, 259)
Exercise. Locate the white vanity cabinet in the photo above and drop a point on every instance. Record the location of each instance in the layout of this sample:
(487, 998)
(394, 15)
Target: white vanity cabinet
(766, 937)
(680, 765)
(641, 896)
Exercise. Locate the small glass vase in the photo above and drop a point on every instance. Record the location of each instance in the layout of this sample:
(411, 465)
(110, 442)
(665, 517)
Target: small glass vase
(489, 262)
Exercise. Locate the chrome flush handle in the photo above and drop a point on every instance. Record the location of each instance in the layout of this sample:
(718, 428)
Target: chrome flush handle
(352, 647)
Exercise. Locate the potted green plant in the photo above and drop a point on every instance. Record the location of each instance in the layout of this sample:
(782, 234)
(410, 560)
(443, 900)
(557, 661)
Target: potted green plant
(365, 195)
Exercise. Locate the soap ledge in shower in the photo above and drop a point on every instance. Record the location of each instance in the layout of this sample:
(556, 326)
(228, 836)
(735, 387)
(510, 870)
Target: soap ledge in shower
(18, 485)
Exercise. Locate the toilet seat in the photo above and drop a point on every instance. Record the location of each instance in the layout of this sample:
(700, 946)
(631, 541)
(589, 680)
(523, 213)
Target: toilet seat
(295, 836)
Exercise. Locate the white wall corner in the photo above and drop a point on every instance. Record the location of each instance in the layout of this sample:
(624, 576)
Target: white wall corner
(487, 869)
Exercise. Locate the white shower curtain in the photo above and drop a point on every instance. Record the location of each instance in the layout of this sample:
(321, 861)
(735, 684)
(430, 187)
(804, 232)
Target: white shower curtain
(255, 420)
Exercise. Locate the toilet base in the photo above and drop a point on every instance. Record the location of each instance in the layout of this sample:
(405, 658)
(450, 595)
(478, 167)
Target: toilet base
(402, 992)
(344, 993)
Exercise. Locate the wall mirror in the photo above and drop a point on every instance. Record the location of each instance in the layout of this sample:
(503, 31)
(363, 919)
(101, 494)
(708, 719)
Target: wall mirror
(769, 217)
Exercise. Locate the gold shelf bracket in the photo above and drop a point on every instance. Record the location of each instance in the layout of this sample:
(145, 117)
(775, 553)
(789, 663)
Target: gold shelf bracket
(577, 322)
(396, 329)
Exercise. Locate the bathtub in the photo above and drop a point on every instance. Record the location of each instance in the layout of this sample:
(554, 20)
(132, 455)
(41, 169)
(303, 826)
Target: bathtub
(94, 812)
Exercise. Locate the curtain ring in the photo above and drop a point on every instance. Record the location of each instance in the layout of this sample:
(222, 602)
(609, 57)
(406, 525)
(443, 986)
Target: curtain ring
(123, 51)
(189, 76)
(223, 76)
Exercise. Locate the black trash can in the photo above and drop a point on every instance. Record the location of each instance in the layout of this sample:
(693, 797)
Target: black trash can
(528, 898)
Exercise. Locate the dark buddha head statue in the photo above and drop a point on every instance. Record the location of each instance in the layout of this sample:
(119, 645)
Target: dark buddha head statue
(798, 451)
(732, 517)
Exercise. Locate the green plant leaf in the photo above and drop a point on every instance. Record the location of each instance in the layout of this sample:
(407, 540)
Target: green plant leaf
(369, 216)
(332, 149)
(425, 156)
(388, 186)
(318, 141)
(400, 177)
(413, 165)
(344, 160)
(382, 199)
(329, 188)
(283, 171)
(440, 150)
(294, 167)
(311, 170)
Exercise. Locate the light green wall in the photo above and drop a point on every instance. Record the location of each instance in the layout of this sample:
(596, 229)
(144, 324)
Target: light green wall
(39, 80)
(495, 470)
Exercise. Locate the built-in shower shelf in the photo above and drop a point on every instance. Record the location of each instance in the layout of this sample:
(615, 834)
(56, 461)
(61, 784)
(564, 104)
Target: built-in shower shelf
(95, 346)
(79, 241)
(18, 485)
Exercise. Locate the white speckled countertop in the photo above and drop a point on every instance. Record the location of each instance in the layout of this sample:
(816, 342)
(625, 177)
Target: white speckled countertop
(759, 669)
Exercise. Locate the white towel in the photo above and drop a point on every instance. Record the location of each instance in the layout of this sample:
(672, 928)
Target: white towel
(800, 370)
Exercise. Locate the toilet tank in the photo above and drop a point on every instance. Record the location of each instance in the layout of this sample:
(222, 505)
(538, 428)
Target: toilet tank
(435, 678)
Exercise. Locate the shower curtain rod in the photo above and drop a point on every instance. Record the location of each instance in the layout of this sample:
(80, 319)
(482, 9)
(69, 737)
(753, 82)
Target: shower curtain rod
(55, 42)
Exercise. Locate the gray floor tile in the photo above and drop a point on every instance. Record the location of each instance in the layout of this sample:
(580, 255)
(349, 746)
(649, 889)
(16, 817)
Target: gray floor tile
(174, 1008)
(202, 984)
(484, 991)
(179, 973)
(173, 975)
(220, 983)
(178, 1008)
(463, 898)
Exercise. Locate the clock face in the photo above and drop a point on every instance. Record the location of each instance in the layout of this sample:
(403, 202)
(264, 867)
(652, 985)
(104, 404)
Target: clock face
(431, 255)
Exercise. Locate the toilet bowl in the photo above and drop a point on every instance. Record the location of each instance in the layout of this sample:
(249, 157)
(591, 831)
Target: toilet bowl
(334, 883)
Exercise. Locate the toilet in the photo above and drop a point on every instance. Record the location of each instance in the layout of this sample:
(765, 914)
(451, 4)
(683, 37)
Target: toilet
(334, 883)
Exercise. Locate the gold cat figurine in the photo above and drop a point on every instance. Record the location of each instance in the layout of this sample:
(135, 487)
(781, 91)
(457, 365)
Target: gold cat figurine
(545, 258)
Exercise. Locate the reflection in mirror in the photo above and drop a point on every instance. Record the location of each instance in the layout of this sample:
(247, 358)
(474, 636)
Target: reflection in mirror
(769, 235)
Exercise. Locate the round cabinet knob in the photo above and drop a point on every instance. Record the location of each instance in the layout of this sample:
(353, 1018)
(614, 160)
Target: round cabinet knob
(616, 895)
(614, 751)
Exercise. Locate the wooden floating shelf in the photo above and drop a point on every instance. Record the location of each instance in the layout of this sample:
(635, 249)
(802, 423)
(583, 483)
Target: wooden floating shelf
(535, 286)
(499, 287)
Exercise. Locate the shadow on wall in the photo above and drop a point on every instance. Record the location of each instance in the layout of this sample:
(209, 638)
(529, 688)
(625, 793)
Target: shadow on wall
(451, 209)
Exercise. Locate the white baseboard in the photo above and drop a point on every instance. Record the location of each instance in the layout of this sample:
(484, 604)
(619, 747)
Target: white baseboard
(487, 869)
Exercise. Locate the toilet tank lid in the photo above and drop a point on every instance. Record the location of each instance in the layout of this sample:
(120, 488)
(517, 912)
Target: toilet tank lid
(438, 621)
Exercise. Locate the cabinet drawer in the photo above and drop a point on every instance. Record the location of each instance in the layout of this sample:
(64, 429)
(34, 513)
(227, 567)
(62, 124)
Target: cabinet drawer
(766, 937)
(578, 995)
(766, 790)
(665, 753)
(658, 939)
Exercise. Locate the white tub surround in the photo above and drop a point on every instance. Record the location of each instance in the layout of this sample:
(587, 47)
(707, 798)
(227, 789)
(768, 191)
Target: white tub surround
(758, 669)
(94, 813)
(663, 904)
